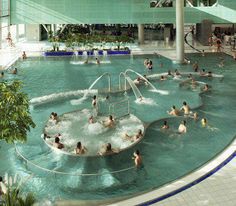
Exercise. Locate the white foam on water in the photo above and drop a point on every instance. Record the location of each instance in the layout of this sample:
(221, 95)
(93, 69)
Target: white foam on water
(147, 101)
(77, 101)
(163, 92)
(108, 179)
(105, 62)
(77, 62)
(57, 96)
(217, 75)
(74, 127)
(95, 128)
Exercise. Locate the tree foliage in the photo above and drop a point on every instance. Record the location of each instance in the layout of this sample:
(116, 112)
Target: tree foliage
(15, 119)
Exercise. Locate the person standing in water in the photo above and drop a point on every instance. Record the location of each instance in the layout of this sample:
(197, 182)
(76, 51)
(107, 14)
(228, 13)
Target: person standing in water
(185, 108)
(182, 127)
(137, 158)
(94, 101)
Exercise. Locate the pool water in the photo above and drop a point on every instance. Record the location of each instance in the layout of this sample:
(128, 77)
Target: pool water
(166, 155)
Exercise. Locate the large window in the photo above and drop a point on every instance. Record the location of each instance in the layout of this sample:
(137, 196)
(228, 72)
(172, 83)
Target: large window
(4, 8)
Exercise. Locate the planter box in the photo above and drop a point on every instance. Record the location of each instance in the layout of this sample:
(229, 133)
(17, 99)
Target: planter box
(89, 53)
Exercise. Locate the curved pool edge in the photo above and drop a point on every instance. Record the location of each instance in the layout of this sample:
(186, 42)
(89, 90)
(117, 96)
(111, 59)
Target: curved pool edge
(185, 182)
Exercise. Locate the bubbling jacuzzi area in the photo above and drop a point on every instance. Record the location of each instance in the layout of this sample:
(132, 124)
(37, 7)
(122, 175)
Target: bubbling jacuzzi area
(137, 99)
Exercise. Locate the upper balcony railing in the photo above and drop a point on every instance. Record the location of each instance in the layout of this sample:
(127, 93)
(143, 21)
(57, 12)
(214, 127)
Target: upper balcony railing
(187, 3)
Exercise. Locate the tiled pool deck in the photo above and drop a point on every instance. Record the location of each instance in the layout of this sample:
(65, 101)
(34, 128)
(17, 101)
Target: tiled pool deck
(213, 184)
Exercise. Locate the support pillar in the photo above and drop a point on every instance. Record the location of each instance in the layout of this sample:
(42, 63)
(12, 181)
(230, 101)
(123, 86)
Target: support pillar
(180, 31)
(0, 37)
(140, 33)
(17, 32)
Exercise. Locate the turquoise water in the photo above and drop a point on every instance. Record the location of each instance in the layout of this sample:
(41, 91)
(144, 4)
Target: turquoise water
(166, 155)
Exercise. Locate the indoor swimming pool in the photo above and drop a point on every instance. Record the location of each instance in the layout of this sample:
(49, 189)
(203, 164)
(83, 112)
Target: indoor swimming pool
(55, 85)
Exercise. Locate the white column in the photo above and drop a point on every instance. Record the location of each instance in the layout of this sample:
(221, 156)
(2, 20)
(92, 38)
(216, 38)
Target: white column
(0, 36)
(180, 31)
(17, 32)
(140, 33)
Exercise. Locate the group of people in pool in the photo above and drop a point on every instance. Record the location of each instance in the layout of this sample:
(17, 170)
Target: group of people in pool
(185, 110)
(13, 71)
(148, 64)
(96, 60)
(106, 149)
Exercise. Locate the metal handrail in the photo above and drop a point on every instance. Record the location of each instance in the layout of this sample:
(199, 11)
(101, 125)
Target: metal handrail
(71, 174)
(124, 75)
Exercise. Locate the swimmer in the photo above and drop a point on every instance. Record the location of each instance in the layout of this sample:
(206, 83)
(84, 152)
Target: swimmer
(97, 61)
(138, 81)
(3, 187)
(149, 66)
(190, 76)
(135, 137)
(203, 53)
(45, 136)
(177, 73)
(185, 108)
(52, 115)
(2, 75)
(169, 73)
(55, 117)
(204, 122)
(202, 72)
(80, 149)
(195, 67)
(174, 111)
(195, 116)
(163, 78)
(145, 63)
(137, 158)
(107, 149)
(209, 74)
(91, 120)
(110, 122)
(14, 71)
(165, 125)
(182, 127)
(24, 55)
(205, 88)
(194, 83)
(57, 143)
(140, 98)
(94, 101)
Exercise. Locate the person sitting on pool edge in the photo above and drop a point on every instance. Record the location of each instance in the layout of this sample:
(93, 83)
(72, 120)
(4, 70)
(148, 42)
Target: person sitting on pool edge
(134, 137)
(137, 158)
(91, 120)
(80, 149)
(3, 187)
(110, 122)
(57, 143)
(14, 71)
(24, 55)
(107, 150)
(182, 127)
(174, 111)
(185, 108)
(205, 88)
(54, 117)
(165, 125)
(97, 61)
(94, 101)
